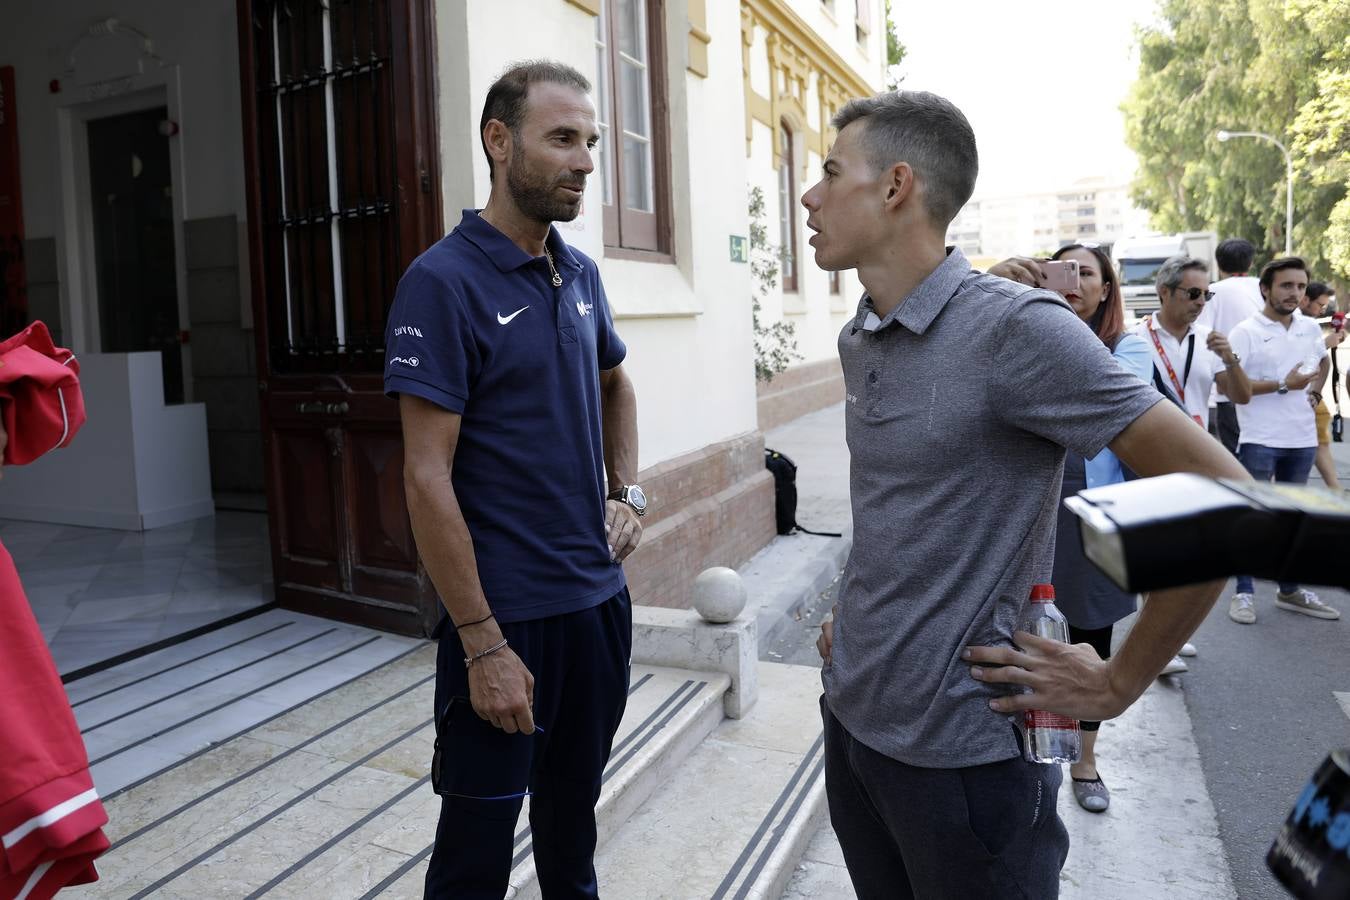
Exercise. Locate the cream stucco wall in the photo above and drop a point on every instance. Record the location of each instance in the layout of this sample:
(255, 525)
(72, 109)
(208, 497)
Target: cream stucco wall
(686, 323)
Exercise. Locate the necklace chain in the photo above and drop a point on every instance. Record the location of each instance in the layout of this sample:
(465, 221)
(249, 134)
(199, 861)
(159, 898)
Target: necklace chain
(557, 279)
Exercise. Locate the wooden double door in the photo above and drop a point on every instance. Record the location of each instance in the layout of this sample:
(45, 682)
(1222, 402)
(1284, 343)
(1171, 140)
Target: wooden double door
(343, 191)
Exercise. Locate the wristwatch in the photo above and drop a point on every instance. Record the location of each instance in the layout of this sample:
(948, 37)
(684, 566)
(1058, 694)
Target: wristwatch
(632, 495)
(1282, 388)
(1237, 361)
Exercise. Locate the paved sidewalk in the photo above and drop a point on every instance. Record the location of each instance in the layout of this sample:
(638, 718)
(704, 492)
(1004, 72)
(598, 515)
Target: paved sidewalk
(1160, 838)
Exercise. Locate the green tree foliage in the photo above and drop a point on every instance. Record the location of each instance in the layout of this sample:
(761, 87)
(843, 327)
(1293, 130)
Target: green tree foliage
(1273, 66)
(895, 51)
(776, 343)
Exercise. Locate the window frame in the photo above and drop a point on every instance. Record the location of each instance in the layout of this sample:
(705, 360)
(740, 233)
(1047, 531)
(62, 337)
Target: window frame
(630, 231)
(788, 268)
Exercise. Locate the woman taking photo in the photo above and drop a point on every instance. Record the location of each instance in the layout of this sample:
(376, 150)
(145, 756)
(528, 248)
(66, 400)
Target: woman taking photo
(1090, 601)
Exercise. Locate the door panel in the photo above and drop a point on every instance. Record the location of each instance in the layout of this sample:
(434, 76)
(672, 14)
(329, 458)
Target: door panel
(132, 202)
(340, 150)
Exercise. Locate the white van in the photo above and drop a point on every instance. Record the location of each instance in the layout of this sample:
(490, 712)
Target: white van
(1138, 259)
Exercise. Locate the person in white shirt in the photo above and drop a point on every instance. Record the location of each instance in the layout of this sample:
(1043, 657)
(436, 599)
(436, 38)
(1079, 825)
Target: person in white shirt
(1283, 353)
(1189, 358)
(1237, 296)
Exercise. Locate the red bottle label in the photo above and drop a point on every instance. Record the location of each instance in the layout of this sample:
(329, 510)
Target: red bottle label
(1039, 718)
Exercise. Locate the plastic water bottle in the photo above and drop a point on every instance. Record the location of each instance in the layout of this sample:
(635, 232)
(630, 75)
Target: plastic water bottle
(1048, 737)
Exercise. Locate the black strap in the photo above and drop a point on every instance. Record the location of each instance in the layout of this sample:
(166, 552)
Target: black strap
(1335, 378)
(1190, 354)
(817, 533)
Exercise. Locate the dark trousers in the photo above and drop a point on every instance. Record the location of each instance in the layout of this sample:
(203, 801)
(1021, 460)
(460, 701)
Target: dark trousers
(987, 831)
(580, 665)
(1100, 639)
(1223, 424)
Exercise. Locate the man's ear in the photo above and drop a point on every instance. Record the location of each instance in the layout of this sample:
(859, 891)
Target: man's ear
(899, 185)
(497, 138)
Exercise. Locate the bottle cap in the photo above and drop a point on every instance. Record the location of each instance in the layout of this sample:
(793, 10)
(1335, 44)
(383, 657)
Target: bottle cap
(1042, 593)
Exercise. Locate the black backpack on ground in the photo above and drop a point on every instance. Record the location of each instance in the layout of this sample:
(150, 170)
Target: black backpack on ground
(784, 473)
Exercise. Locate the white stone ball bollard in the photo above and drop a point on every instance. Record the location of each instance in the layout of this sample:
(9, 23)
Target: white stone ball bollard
(719, 594)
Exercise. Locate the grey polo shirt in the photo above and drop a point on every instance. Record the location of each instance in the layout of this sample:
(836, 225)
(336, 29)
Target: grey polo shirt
(959, 405)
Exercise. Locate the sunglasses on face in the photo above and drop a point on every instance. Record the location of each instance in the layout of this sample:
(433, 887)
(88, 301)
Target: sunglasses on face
(1195, 293)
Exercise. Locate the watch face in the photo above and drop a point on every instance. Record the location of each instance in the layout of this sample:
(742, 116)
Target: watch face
(636, 497)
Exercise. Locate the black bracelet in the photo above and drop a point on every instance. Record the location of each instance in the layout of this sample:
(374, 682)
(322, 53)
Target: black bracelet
(476, 622)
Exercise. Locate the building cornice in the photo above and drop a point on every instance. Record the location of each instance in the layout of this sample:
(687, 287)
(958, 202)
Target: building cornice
(795, 51)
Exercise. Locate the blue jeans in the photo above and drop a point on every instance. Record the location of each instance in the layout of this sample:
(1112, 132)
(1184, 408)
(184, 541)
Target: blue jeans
(1286, 466)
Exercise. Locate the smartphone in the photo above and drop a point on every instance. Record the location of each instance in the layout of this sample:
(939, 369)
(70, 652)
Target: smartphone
(1060, 275)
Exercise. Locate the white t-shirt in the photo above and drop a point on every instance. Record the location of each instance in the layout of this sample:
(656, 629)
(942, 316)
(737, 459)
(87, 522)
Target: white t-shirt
(1235, 300)
(1269, 352)
(1204, 364)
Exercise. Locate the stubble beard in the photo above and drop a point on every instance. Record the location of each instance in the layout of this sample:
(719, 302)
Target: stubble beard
(533, 194)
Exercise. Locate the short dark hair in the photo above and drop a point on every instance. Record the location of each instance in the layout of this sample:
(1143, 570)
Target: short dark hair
(929, 133)
(1317, 289)
(1276, 265)
(1234, 255)
(506, 98)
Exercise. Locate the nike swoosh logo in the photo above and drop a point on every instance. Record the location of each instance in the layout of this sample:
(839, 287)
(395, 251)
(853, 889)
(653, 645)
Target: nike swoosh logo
(502, 320)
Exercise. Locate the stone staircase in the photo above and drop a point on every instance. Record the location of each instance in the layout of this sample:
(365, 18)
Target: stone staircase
(331, 798)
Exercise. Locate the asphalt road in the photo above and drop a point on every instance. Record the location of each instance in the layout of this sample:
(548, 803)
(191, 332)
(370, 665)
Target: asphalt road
(1261, 703)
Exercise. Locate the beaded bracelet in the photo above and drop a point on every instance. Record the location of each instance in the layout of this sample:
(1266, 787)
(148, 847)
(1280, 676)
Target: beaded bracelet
(470, 660)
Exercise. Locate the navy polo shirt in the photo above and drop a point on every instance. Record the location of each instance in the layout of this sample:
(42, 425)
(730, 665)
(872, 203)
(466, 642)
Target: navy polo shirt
(478, 328)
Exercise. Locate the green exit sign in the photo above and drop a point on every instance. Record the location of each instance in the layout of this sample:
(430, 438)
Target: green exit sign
(740, 249)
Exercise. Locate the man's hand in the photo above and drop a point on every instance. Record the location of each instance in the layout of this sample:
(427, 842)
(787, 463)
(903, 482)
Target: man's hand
(1020, 269)
(1069, 679)
(623, 529)
(1217, 343)
(1335, 339)
(1297, 380)
(825, 643)
(501, 689)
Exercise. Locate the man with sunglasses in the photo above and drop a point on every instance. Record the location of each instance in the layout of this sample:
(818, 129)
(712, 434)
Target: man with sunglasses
(1283, 352)
(1189, 358)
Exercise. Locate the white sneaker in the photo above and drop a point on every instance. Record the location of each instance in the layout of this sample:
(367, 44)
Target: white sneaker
(1241, 610)
(1306, 602)
(1175, 667)
(1188, 649)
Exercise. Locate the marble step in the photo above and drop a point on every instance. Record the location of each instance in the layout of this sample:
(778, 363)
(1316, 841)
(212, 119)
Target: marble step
(735, 818)
(155, 711)
(669, 713)
(332, 799)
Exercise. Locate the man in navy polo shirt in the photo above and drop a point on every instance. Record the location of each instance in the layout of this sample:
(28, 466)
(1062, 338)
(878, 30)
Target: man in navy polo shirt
(520, 451)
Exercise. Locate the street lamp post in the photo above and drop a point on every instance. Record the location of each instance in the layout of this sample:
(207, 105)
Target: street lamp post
(1289, 182)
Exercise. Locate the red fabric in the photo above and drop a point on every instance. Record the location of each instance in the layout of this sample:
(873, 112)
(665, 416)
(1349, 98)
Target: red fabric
(50, 815)
(40, 400)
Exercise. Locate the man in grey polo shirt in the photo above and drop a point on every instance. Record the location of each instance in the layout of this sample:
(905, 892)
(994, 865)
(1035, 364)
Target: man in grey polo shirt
(962, 390)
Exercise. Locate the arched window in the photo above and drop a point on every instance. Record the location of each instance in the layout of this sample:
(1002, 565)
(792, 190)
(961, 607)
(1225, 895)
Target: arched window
(787, 208)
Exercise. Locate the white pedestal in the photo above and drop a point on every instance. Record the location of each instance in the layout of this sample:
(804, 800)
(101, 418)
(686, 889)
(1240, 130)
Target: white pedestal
(136, 464)
(681, 638)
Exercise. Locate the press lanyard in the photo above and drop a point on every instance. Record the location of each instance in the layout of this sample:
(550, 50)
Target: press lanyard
(1171, 372)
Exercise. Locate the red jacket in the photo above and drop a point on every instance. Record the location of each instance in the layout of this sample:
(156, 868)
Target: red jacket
(40, 400)
(50, 817)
